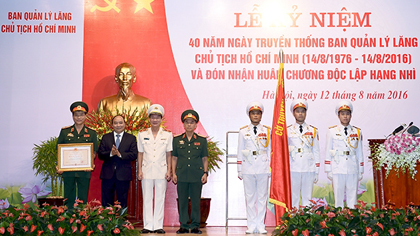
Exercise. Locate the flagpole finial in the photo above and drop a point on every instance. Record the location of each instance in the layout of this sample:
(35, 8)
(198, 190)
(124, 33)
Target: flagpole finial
(281, 55)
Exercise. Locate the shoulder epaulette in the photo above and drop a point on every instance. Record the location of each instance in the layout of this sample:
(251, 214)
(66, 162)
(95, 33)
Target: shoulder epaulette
(178, 135)
(332, 126)
(289, 126)
(142, 130)
(244, 127)
(66, 127)
(200, 135)
(313, 127)
(268, 127)
(165, 129)
(90, 128)
(356, 127)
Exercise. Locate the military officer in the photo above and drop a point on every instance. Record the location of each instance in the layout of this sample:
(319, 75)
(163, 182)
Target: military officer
(303, 153)
(344, 156)
(77, 181)
(155, 166)
(189, 171)
(254, 153)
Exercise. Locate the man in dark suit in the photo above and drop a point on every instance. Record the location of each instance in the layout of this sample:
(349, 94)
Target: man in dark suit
(117, 150)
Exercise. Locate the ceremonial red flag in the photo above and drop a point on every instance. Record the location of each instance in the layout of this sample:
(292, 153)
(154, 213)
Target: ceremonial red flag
(280, 194)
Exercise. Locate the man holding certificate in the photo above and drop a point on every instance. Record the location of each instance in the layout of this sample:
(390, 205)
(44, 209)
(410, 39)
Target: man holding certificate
(78, 133)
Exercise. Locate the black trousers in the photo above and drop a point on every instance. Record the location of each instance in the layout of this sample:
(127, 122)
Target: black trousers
(112, 186)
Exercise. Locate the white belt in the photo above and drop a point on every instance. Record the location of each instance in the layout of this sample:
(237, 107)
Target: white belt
(344, 153)
(254, 153)
(303, 150)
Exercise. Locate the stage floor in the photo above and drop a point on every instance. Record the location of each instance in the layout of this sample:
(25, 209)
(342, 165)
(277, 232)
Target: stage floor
(213, 231)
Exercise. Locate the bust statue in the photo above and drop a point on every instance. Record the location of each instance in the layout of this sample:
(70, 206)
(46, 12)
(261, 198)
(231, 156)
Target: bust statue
(125, 76)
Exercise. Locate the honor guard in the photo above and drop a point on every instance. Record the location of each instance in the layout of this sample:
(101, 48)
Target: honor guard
(254, 151)
(344, 156)
(303, 153)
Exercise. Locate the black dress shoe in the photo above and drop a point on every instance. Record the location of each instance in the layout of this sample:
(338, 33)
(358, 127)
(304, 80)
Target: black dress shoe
(146, 231)
(196, 231)
(159, 231)
(182, 231)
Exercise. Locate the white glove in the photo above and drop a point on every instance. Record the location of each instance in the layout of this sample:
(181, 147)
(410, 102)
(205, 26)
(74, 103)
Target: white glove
(360, 176)
(316, 178)
(240, 175)
(329, 175)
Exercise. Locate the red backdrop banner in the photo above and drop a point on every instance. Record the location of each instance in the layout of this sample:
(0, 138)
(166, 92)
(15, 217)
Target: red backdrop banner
(132, 31)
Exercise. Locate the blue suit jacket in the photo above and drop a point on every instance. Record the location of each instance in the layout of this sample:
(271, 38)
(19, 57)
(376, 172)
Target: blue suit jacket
(122, 166)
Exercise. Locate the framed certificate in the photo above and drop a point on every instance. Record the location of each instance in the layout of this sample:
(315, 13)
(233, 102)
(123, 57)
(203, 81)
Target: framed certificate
(75, 156)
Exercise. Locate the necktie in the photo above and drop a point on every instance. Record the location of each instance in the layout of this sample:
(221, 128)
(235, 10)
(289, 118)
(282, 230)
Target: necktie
(345, 131)
(300, 128)
(255, 129)
(118, 141)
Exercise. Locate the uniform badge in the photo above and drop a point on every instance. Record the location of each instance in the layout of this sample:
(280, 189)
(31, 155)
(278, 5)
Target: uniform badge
(181, 141)
(197, 143)
(70, 135)
(247, 135)
(86, 135)
(146, 138)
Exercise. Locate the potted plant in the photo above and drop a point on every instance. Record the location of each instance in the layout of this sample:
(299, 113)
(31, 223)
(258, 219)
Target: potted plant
(44, 163)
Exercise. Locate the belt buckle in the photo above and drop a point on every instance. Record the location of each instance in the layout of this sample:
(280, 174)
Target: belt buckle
(347, 153)
(254, 153)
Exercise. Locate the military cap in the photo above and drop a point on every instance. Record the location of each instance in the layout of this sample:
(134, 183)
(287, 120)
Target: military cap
(190, 114)
(156, 109)
(254, 106)
(79, 106)
(298, 103)
(343, 105)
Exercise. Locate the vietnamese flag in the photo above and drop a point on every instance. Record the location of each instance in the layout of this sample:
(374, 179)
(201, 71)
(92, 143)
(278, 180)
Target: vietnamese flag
(280, 193)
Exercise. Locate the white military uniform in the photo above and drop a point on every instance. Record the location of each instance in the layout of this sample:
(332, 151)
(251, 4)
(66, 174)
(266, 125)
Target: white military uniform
(154, 168)
(304, 161)
(344, 159)
(254, 153)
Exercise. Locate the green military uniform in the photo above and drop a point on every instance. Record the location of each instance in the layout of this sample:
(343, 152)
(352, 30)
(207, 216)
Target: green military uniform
(80, 178)
(189, 170)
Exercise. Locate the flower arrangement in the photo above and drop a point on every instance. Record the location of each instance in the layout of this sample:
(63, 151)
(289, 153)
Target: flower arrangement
(319, 219)
(85, 219)
(399, 152)
(101, 121)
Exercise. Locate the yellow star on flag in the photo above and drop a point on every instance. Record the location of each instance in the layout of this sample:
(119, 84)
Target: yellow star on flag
(143, 4)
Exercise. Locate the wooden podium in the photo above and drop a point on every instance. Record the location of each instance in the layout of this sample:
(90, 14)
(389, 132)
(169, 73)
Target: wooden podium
(400, 190)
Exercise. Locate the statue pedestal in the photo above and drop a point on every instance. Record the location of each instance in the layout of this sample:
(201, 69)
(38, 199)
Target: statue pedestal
(400, 190)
